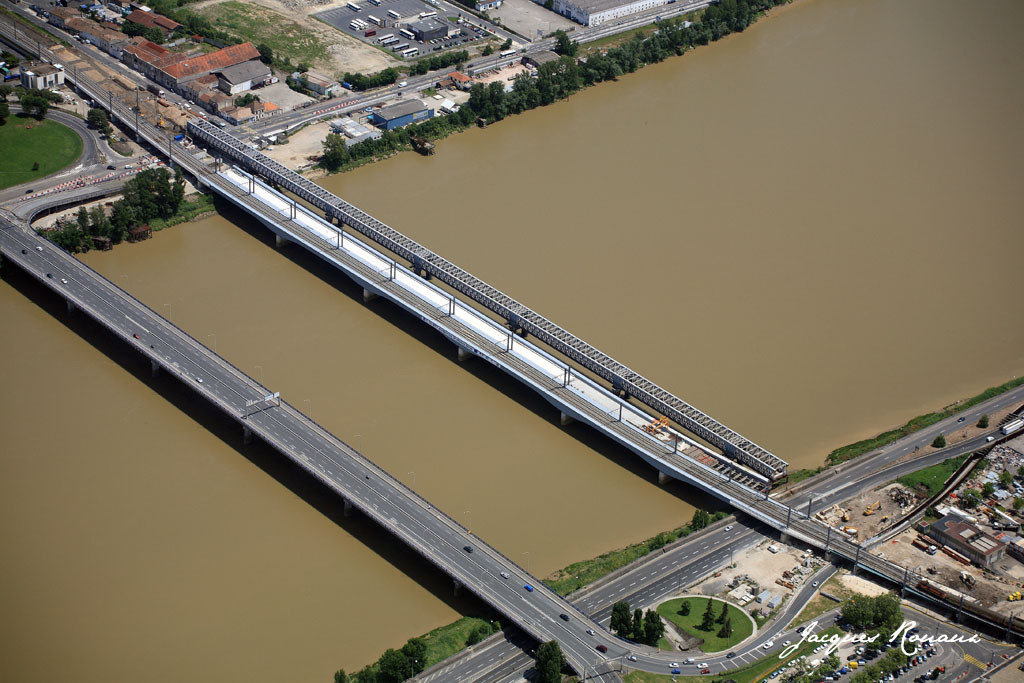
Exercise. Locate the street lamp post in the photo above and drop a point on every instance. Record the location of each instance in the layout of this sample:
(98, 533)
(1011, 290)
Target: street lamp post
(527, 553)
(413, 479)
(469, 521)
(170, 312)
(214, 341)
(310, 409)
(260, 368)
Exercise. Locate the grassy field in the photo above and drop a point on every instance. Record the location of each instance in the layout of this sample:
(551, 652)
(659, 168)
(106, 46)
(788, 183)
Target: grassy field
(741, 626)
(191, 208)
(25, 141)
(861, 447)
(748, 674)
(819, 604)
(445, 641)
(260, 25)
(932, 477)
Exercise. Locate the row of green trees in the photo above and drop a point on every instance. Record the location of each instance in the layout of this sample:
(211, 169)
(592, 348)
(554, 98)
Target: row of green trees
(441, 61)
(723, 623)
(876, 616)
(642, 627)
(377, 80)
(394, 666)
(150, 194)
(555, 80)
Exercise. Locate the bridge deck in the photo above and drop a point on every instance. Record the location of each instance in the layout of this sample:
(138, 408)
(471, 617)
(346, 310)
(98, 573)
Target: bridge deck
(515, 313)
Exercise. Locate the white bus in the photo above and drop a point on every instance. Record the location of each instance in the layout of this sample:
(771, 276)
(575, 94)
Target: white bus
(408, 34)
(383, 38)
(393, 14)
(389, 41)
(507, 53)
(375, 3)
(424, 15)
(373, 20)
(353, 6)
(411, 52)
(399, 48)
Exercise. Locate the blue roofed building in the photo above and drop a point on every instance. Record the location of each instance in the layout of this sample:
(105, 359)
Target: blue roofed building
(401, 114)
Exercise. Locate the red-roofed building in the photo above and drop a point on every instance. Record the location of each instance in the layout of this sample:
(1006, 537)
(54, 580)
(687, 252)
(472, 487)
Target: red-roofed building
(174, 70)
(153, 20)
(461, 80)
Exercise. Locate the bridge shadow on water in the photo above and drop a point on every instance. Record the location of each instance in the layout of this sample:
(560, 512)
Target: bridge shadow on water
(263, 456)
(495, 378)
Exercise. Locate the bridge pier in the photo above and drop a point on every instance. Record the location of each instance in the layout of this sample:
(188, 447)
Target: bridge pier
(246, 435)
(281, 242)
(464, 354)
(346, 506)
(663, 478)
(154, 368)
(568, 419)
(457, 587)
(370, 296)
(70, 304)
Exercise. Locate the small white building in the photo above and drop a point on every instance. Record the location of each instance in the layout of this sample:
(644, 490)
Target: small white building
(41, 76)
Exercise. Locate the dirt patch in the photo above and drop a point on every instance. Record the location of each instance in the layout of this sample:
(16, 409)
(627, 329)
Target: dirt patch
(870, 511)
(329, 50)
(302, 147)
(857, 584)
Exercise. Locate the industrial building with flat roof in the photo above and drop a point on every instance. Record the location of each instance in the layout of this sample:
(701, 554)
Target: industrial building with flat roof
(429, 29)
(401, 114)
(597, 12)
(967, 539)
(40, 76)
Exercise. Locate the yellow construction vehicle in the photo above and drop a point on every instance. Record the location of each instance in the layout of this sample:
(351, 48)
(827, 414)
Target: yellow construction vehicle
(1013, 597)
(886, 518)
(873, 508)
(846, 515)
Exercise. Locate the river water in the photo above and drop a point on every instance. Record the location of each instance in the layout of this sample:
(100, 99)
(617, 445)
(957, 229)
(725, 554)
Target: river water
(808, 231)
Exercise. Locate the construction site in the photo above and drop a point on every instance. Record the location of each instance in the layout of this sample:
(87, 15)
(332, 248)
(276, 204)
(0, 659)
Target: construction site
(870, 512)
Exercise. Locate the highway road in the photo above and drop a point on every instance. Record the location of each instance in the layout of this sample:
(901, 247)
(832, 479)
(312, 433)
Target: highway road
(539, 613)
(661, 575)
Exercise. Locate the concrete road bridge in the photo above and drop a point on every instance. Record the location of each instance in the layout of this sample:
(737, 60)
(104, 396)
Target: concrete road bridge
(471, 563)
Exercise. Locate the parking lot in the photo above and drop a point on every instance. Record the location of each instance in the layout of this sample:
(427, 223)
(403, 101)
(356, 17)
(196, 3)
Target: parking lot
(410, 12)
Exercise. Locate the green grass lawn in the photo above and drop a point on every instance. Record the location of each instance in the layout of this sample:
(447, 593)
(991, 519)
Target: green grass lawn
(741, 626)
(259, 25)
(445, 641)
(932, 477)
(748, 674)
(25, 141)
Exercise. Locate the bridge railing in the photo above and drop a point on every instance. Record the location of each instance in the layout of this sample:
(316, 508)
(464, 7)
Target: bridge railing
(516, 314)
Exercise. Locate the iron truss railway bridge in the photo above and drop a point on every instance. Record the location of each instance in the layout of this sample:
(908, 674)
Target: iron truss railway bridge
(534, 618)
(518, 316)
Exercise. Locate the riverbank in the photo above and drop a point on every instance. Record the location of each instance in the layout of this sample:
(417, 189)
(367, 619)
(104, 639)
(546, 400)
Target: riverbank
(556, 81)
(859, 448)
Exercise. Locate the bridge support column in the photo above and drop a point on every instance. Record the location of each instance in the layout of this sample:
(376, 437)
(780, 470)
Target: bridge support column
(856, 561)
(281, 242)
(368, 295)
(903, 585)
(809, 501)
(154, 368)
(663, 478)
(828, 541)
(567, 419)
(456, 586)
(246, 435)
(70, 304)
(789, 515)
(464, 354)
(959, 610)
(346, 506)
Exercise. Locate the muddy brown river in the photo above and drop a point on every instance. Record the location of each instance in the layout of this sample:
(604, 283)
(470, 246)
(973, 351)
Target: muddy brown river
(810, 231)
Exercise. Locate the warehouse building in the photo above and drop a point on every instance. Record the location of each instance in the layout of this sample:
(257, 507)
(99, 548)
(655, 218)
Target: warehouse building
(242, 77)
(401, 114)
(535, 59)
(597, 12)
(429, 29)
(967, 539)
(161, 23)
